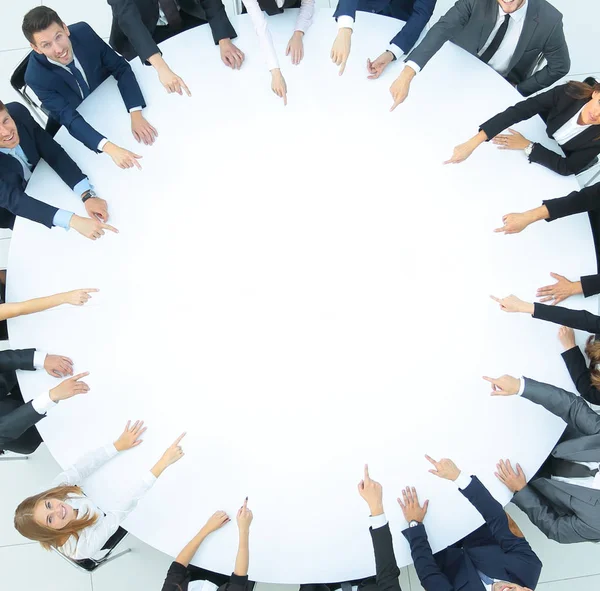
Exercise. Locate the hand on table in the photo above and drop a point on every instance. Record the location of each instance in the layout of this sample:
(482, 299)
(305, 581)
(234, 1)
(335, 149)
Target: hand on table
(566, 336)
(58, 366)
(121, 157)
(445, 468)
(513, 480)
(141, 129)
(130, 436)
(409, 503)
(512, 303)
(376, 68)
(171, 81)
(244, 517)
(340, 51)
(504, 386)
(278, 85)
(511, 141)
(78, 297)
(559, 291)
(216, 521)
(231, 56)
(295, 47)
(97, 209)
(90, 228)
(69, 388)
(514, 223)
(372, 492)
(399, 89)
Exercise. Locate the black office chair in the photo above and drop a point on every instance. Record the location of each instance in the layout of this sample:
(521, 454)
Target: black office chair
(17, 81)
(590, 81)
(89, 565)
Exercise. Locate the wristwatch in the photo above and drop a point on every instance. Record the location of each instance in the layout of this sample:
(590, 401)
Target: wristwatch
(393, 54)
(414, 523)
(529, 149)
(89, 194)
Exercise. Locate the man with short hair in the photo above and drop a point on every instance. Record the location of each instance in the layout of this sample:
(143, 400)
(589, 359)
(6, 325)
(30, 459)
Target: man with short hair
(67, 65)
(22, 144)
(511, 36)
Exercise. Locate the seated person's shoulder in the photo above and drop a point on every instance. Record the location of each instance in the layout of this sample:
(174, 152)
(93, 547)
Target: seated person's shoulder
(550, 12)
(19, 112)
(82, 28)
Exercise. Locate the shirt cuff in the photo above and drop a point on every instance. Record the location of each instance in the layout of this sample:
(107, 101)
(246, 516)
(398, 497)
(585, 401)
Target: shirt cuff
(378, 521)
(463, 480)
(398, 53)
(82, 186)
(42, 404)
(521, 387)
(101, 144)
(414, 66)
(62, 218)
(38, 359)
(149, 479)
(133, 109)
(345, 22)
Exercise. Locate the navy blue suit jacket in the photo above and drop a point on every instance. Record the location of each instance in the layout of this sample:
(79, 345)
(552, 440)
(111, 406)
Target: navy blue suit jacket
(492, 549)
(37, 144)
(58, 89)
(416, 13)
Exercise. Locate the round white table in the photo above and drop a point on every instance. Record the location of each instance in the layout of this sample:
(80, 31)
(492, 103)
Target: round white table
(303, 289)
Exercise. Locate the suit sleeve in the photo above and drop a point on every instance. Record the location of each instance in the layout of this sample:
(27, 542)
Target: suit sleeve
(587, 199)
(13, 198)
(571, 408)
(574, 163)
(17, 421)
(13, 359)
(429, 573)
(447, 27)
(387, 571)
(346, 8)
(522, 111)
(130, 21)
(580, 374)
(178, 577)
(578, 319)
(590, 284)
(218, 20)
(421, 13)
(558, 61)
(564, 529)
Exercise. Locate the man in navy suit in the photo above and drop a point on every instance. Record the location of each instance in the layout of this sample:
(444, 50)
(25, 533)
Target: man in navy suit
(492, 557)
(416, 13)
(70, 63)
(22, 144)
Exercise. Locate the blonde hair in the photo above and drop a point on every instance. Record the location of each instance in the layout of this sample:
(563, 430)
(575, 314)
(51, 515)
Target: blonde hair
(26, 525)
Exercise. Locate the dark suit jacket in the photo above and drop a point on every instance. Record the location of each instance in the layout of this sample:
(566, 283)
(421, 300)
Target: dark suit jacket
(36, 144)
(134, 23)
(555, 107)
(580, 374)
(565, 512)
(578, 319)
(58, 89)
(179, 578)
(494, 550)
(469, 23)
(15, 417)
(416, 13)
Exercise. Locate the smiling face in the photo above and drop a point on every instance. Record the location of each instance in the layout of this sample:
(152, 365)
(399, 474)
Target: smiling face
(591, 112)
(53, 513)
(504, 586)
(510, 5)
(54, 43)
(9, 136)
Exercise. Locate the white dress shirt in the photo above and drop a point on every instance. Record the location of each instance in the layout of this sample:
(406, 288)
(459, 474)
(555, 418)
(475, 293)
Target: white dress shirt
(589, 482)
(501, 59)
(347, 22)
(570, 129)
(42, 404)
(303, 22)
(93, 537)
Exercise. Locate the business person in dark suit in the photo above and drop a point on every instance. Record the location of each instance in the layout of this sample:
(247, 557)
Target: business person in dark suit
(17, 419)
(492, 557)
(415, 13)
(22, 144)
(182, 576)
(562, 498)
(139, 25)
(67, 65)
(572, 115)
(511, 36)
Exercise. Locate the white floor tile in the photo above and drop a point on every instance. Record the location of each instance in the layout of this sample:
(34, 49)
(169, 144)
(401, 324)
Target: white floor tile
(32, 567)
(591, 583)
(96, 13)
(147, 565)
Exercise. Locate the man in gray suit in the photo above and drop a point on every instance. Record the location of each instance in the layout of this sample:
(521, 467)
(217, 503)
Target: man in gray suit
(511, 36)
(563, 498)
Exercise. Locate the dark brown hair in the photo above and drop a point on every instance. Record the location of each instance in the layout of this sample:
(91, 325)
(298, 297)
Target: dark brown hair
(39, 19)
(583, 90)
(2, 106)
(592, 350)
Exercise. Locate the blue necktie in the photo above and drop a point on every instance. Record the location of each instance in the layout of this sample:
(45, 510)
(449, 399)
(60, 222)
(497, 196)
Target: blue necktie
(85, 89)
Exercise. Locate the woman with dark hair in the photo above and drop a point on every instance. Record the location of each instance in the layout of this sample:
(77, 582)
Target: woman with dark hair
(64, 518)
(185, 577)
(571, 112)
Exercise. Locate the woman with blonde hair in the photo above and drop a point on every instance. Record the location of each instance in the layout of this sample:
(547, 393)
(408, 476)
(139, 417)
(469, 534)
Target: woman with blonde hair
(63, 517)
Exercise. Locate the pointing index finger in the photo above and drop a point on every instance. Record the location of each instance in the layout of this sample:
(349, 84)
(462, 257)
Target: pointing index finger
(367, 477)
(179, 438)
(109, 227)
(431, 460)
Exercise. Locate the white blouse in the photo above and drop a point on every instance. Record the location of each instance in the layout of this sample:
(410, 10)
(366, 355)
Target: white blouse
(570, 129)
(92, 538)
(303, 22)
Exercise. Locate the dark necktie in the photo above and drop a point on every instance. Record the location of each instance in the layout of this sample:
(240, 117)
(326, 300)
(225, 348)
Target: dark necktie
(567, 469)
(169, 7)
(85, 89)
(488, 54)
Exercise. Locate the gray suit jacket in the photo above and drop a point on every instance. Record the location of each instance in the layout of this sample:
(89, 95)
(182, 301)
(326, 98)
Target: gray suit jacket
(469, 23)
(565, 512)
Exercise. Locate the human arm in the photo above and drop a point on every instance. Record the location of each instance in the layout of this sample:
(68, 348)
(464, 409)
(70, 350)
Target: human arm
(77, 297)
(14, 198)
(295, 46)
(242, 560)
(215, 522)
(587, 199)
(412, 29)
(578, 319)
(13, 359)
(264, 35)
(219, 23)
(574, 163)
(580, 374)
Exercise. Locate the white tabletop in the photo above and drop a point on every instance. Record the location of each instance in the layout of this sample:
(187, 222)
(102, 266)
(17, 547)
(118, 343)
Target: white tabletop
(303, 289)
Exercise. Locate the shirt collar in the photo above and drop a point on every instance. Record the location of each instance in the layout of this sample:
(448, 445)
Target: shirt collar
(517, 15)
(77, 64)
